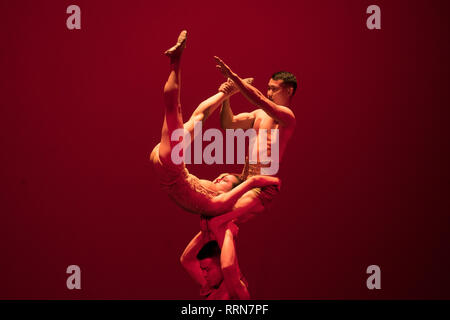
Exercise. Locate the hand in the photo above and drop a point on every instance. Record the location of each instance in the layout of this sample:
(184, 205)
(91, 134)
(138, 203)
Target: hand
(208, 236)
(226, 70)
(218, 225)
(218, 222)
(215, 223)
(233, 228)
(204, 224)
(260, 181)
(228, 87)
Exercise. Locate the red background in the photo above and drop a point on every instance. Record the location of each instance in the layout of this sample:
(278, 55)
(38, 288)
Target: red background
(365, 177)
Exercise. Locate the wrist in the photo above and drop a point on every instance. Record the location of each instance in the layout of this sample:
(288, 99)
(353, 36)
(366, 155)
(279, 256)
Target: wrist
(215, 225)
(233, 76)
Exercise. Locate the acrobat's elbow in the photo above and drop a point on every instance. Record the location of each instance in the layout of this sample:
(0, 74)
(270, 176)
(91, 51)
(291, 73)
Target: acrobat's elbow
(183, 260)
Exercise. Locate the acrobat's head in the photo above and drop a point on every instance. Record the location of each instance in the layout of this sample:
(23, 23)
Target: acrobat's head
(209, 258)
(227, 181)
(281, 87)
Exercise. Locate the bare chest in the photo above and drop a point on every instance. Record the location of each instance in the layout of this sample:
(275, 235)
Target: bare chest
(264, 121)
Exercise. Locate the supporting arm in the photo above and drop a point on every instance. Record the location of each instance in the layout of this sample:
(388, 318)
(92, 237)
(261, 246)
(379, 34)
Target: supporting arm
(230, 121)
(229, 264)
(189, 259)
(282, 114)
(226, 201)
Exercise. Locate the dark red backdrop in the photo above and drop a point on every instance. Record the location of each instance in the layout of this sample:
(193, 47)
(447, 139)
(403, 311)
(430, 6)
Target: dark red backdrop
(365, 178)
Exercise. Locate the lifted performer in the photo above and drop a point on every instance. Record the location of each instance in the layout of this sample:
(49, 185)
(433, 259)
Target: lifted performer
(209, 198)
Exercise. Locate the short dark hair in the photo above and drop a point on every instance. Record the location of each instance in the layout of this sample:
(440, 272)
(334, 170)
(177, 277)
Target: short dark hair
(288, 79)
(209, 250)
(238, 177)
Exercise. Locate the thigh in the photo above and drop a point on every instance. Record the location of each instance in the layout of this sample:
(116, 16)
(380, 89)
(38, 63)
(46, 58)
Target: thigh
(168, 173)
(170, 124)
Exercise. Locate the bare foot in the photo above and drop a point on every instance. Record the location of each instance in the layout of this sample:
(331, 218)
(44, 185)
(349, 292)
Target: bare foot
(177, 50)
(230, 88)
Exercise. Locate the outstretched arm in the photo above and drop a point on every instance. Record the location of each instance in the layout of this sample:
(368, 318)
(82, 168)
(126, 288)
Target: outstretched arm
(246, 208)
(226, 201)
(282, 114)
(207, 107)
(204, 110)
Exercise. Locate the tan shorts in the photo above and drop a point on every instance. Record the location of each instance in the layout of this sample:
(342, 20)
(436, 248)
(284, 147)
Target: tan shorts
(265, 194)
(168, 173)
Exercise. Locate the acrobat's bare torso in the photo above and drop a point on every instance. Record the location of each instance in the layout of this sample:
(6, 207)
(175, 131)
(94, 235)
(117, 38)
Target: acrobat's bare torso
(264, 121)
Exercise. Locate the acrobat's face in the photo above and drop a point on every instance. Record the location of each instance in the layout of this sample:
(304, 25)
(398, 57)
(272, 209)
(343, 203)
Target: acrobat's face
(278, 92)
(212, 271)
(225, 182)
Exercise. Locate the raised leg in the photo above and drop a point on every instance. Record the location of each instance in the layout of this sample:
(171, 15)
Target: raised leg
(173, 118)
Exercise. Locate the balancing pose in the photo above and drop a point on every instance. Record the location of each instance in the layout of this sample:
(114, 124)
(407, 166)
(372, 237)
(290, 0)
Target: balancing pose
(208, 198)
(273, 112)
(213, 263)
